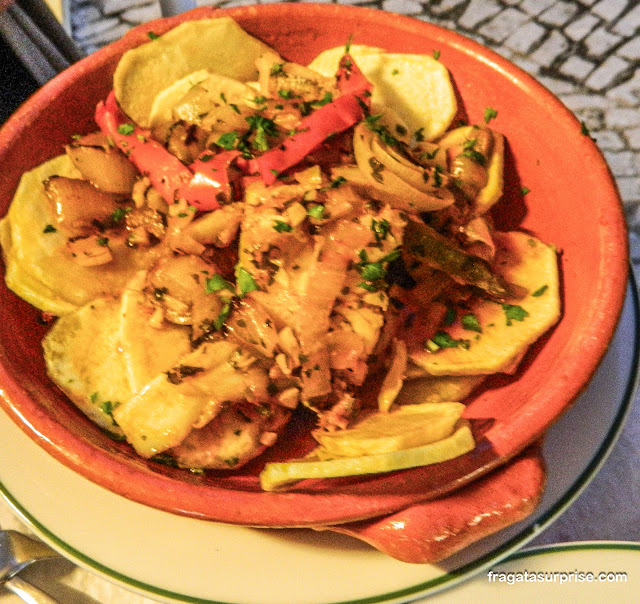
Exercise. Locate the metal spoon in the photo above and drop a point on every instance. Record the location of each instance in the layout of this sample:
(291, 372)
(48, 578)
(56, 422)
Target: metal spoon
(17, 551)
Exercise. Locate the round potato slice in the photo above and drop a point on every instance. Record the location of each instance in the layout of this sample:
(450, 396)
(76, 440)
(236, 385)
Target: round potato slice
(81, 352)
(147, 351)
(219, 88)
(416, 87)
(403, 428)
(501, 332)
(218, 45)
(23, 284)
(38, 251)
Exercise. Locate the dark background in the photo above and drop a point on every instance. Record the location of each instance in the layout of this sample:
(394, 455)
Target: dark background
(16, 84)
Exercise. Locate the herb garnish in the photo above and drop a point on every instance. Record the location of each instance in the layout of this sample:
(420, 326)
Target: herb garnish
(514, 312)
(489, 114)
(282, 227)
(217, 283)
(470, 322)
(246, 283)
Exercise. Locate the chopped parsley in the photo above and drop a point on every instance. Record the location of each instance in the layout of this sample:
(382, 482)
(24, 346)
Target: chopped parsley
(489, 114)
(103, 241)
(222, 316)
(119, 213)
(374, 272)
(540, 291)
(217, 283)
(436, 54)
(277, 68)
(373, 123)
(381, 229)
(475, 156)
(514, 312)
(525, 190)
(470, 322)
(450, 316)
(282, 227)
(228, 140)
(442, 339)
(316, 211)
(337, 182)
(262, 128)
(152, 35)
(49, 229)
(126, 129)
(437, 176)
(107, 407)
(245, 281)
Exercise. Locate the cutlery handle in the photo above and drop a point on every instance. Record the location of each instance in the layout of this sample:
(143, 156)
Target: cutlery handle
(27, 592)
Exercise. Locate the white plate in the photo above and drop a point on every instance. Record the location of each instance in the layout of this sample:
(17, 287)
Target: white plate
(178, 559)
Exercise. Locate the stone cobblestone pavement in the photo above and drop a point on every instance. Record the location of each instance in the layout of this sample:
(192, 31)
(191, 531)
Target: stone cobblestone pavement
(585, 51)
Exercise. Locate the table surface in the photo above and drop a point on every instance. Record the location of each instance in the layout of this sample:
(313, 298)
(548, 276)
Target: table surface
(585, 51)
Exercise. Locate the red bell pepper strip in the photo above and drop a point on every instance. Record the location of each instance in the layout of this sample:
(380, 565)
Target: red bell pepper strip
(351, 80)
(329, 119)
(203, 184)
(210, 185)
(166, 172)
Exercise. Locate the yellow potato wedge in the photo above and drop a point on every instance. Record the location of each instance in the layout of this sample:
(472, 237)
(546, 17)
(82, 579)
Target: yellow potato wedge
(405, 427)
(506, 329)
(276, 476)
(435, 389)
(219, 45)
(82, 357)
(417, 87)
(147, 350)
(196, 389)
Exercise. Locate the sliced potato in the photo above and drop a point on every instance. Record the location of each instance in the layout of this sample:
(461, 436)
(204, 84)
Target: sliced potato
(26, 285)
(435, 389)
(173, 102)
(196, 389)
(219, 45)
(507, 329)
(276, 476)
(40, 251)
(147, 350)
(81, 352)
(405, 427)
(36, 293)
(417, 87)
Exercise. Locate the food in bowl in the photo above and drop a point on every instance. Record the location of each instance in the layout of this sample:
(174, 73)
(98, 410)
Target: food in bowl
(245, 235)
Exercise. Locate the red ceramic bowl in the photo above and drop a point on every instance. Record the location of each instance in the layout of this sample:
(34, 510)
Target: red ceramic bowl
(573, 203)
